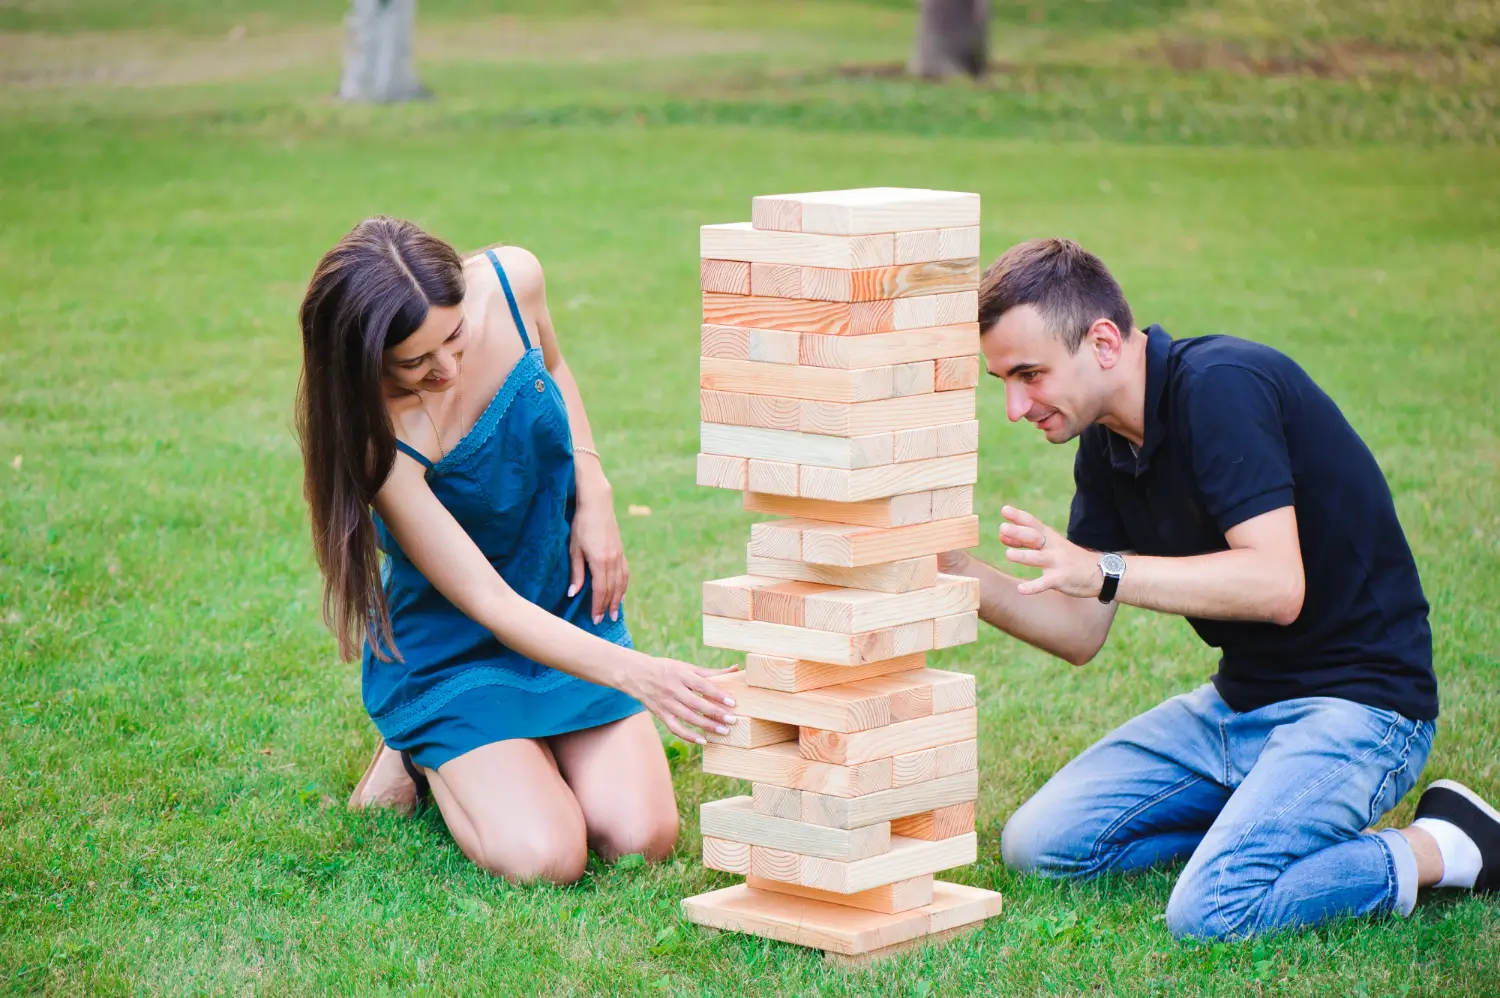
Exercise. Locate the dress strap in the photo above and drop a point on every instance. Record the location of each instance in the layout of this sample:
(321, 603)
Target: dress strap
(413, 453)
(510, 297)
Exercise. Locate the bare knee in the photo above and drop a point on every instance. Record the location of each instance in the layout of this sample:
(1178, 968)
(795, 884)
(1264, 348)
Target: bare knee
(536, 858)
(650, 833)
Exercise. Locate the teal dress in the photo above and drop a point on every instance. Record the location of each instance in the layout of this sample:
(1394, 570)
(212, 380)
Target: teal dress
(509, 483)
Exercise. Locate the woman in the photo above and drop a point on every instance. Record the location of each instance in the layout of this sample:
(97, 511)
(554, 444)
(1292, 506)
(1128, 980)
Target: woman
(497, 665)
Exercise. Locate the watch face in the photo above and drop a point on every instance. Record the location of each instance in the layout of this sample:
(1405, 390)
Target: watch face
(1112, 564)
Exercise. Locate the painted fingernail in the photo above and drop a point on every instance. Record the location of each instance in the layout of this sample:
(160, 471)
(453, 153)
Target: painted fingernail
(729, 701)
(572, 590)
(701, 740)
(614, 615)
(598, 618)
(730, 719)
(722, 730)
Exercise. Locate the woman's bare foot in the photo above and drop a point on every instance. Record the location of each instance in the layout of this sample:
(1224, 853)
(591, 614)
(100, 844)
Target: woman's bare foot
(385, 784)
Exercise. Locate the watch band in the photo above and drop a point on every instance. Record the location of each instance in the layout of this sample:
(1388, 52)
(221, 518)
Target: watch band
(1107, 589)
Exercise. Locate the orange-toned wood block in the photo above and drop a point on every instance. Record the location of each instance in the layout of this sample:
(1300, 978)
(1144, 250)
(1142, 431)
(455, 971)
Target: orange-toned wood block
(719, 472)
(912, 768)
(880, 349)
(739, 409)
(956, 373)
(867, 284)
(770, 346)
(815, 645)
(887, 577)
(852, 748)
(841, 708)
(906, 858)
(832, 318)
(939, 823)
(783, 765)
(784, 602)
(903, 895)
(855, 611)
(852, 546)
(885, 805)
(891, 511)
(790, 675)
(731, 597)
(727, 276)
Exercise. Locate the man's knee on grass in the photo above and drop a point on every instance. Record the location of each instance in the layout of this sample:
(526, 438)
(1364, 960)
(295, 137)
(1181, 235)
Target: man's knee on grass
(1038, 839)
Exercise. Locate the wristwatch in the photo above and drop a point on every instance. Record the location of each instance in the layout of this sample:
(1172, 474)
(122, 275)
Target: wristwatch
(1112, 567)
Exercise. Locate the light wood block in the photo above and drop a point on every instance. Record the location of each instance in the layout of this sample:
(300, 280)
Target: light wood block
(731, 597)
(770, 346)
(903, 895)
(734, 820)
(890, 511)
(906, 858)
(729, 276)
(912, 768)
(885, 415)
(866, 210)
(739, 409)
(917, 444)
(939, 823)
(783, 765)
(909, 698)
(847, 935)
(774, 477)
(781, 539)
(855, 611)
(853, 546)
(957, 373)
(886, 805)
(852, 748)
(798, 381)
(916, 378)
(784, 602)
(881, 349)
(951, 502)
(838, 709)
(730, 857)
(959, 629)
(752, 733)
(878, 956)
(794, 448)
(741, 241)
(779, 280)
(838, 318)
(719, 472)
(888, 577)
(790, 675)
(777, 802)
(814, 645)
(921, 245)
(957, 438)
(844, 485)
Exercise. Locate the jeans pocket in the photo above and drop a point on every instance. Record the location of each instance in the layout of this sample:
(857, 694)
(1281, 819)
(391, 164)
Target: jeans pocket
(1406, 760)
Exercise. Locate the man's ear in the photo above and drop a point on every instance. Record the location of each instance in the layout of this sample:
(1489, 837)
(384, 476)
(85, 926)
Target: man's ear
(1105, 340)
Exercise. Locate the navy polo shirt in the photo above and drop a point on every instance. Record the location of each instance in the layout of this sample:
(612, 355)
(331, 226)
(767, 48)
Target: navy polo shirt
(1235, 429)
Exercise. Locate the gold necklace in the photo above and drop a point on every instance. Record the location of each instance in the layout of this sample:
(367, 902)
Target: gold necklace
(443, 451)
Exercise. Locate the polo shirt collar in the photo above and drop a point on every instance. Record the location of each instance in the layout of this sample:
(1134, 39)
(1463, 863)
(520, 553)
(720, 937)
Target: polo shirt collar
(1121, 457)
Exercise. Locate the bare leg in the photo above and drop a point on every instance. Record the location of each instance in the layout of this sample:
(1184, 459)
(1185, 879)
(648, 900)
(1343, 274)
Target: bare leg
(620, 776)
(510, 812)
(1429, 859)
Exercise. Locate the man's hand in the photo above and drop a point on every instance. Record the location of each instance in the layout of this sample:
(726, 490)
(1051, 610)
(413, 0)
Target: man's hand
(1066, 567)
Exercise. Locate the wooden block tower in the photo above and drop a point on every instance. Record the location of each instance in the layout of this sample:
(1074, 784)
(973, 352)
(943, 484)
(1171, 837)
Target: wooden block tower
(840, 342)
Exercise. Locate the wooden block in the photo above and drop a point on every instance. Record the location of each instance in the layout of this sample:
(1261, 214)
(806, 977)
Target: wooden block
(890, 511)
(928, 310)
(921, 944)
(852, 748)
(845, 485)
(951, 502)
(911, 768)
(783, 603)
(790, 675)
(731, 597)
(774, 477)
(720, 472)
(843, 932)
(939, 823)
(770, 346)
(918, 246)
(888, 805)
(794, 448)
(956, 373)
(729, 276)
(910, 698)
(866, 284)
(865, 210)
(854, 546)
(840, 318)
(889, 577)
(783, 765)
(740, 241)
(730, 857)
(796, 381)
(917, 444)
(880, 349)
(950, 690)
(814, 645)
(753, 732)
(957, 438)
(915, 378)
(750, 410)
(959, 629)
(781, 539)
(735, 821)
(906, 858)
(854, 611)
(777, 802)
(903, 895)
(836, 709)
(885, 415)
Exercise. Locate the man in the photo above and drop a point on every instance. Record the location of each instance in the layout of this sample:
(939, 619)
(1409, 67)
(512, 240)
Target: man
(1215, 480)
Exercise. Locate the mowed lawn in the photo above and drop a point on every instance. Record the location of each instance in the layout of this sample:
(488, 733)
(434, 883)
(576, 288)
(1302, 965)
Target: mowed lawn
(177, 736)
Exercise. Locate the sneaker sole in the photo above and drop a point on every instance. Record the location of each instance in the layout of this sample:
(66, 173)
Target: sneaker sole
(1468, 795)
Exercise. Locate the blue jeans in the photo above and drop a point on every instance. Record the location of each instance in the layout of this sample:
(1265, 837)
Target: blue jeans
(1270, 808)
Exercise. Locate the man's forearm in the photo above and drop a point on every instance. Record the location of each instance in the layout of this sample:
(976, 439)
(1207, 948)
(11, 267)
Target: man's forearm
(1072, 629)
(1227, 585)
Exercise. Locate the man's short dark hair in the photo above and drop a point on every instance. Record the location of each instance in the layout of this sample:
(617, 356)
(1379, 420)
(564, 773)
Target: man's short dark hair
(1070, 287)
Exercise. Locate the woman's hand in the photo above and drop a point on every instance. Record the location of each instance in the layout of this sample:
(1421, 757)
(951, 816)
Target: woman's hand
(596, 541)
(681, 695)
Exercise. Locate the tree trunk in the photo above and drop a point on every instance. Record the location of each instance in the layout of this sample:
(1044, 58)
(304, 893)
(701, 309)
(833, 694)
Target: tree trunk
(378, 52)
(952, 38)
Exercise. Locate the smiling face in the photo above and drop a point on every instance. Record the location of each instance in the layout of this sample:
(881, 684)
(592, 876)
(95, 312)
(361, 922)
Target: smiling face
(428, 359)
(1062, 393)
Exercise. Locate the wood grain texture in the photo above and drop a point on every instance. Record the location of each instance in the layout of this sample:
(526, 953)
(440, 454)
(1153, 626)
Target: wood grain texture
(911, 768)
(959, 629)
(729, 276)
(885, 805)
(939, 823)
(902, 737)
(735, 820)
(890, 511)
(837, 709)
(880, 349)
(885, 415)
(841, 485)
(903, 895)
(776, 280)
(817, 646)
(797, 381)
(859, 211)
(753, 732)
(740, 241)
(783, 765)
(956, 373)
(790, 675)
(719, 472)
(921, 245)
(887, 577)
(730, 857)
(951, 502)
(740, 409)
(769, 346)
(854, 546)
(774, 477)
(906, 858)
(852, 611)
(795, 447)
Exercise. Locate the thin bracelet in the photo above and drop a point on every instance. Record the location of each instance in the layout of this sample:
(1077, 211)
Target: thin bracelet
(588, 450)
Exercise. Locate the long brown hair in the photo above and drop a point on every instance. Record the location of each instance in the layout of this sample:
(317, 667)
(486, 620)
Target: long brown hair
(368, 293)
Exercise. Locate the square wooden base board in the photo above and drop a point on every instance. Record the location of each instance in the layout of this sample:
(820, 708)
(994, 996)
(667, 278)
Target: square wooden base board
(841, 932)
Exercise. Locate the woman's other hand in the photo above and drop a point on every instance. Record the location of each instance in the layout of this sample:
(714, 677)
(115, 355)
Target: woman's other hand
(595, 542)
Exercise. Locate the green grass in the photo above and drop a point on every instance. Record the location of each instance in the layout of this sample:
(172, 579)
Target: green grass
(176, 734)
